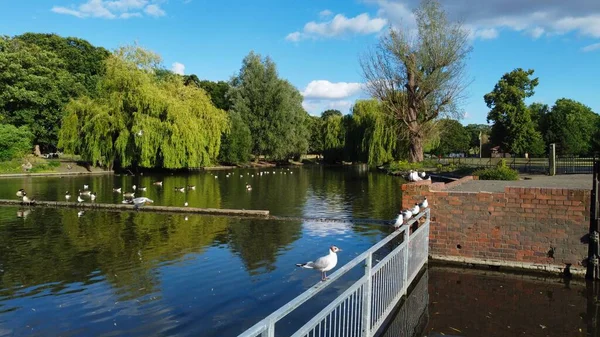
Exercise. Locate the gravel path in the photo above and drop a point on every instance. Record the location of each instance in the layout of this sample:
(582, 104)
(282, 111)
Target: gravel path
(574, 181)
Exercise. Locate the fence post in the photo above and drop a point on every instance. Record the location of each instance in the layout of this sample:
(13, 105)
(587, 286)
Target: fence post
(552, 160)
(366, 323)
(592, 262)
(406, 259)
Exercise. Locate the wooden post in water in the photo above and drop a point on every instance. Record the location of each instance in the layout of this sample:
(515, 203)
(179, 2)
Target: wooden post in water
(593, 272)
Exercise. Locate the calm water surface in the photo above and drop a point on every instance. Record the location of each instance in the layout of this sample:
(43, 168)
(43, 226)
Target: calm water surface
(141, 274)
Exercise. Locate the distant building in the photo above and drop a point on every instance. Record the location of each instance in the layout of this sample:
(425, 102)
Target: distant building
(496, 152)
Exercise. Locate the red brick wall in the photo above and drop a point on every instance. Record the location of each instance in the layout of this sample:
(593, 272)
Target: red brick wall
(516, 227)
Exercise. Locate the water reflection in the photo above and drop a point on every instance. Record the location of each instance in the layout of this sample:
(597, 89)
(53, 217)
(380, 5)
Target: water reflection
(139, 274)
(312, 192)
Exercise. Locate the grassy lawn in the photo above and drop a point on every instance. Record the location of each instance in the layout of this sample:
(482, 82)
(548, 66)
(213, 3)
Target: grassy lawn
(39, 166)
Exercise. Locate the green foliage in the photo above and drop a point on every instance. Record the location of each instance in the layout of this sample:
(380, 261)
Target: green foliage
(272, 109)
(39, 74)
(314, 125)
(475, 131)
(140, 119)
(571, 125)
(500, 172)
(216, 90)
(236, 146)
(14, 142)
(513, 127)
(375, 132)
(331, 112)
(454, 137)
(334, 134)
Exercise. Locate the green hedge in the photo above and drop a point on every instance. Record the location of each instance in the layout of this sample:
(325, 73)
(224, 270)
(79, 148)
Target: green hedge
(14, 142)
(501, 172)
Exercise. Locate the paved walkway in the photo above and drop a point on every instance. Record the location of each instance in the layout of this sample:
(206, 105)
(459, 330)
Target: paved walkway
(574, 181)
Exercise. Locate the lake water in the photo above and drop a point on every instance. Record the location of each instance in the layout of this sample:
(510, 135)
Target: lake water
(145, 274)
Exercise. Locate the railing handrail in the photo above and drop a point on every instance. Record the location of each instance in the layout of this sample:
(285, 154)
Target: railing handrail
(312, 291)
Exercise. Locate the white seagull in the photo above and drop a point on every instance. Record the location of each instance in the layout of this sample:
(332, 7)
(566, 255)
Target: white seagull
(415, 210)
(399, 221)
(424, 204)
(324, 263)
(407, 214)
(85, 187)
(141, 201)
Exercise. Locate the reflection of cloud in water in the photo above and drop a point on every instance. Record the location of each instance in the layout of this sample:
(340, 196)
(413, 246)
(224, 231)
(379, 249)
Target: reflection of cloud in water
(326, 206)
(317, 228)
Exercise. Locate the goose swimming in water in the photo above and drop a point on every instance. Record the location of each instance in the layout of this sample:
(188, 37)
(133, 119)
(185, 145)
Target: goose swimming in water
(128, 195)
(157, 183)
(191, 187)
(324, 263)
(179, 189)
(248, 187)
(143, 189)
(20, 193)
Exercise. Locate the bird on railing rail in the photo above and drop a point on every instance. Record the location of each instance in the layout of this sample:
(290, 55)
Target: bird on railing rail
(324, 263)
(406, 214)
(424, 203)
(415, 210)
(399, 221)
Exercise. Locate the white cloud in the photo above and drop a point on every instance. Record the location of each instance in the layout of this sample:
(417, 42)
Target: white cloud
(154, 10)
(533, 18)
(323, 89)
(178, 68)
(486, 33)
(294, 37)
(325, 13)
(111, 9)
(591, 47)
(316, 107)
(340, 25)
(130, 15)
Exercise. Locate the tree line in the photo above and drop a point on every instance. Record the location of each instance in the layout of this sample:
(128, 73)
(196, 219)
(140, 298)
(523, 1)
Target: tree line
(125, 109)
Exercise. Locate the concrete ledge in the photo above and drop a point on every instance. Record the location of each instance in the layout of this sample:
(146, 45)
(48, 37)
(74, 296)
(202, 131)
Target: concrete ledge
(128, 207)
(540, 268)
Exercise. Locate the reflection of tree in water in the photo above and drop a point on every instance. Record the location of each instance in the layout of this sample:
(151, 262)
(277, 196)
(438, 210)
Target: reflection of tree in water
(258, 242)
(54, 246)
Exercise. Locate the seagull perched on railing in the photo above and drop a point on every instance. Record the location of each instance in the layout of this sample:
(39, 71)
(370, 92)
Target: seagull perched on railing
(415, 210)
(324, 263)
(406, 214)
(399, 221)
(424, 204)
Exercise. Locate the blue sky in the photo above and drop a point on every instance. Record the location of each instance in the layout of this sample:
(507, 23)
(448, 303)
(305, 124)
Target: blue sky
(316, 44)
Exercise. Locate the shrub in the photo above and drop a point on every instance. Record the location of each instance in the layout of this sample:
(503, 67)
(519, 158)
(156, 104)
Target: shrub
(500, 172)
(14, 142)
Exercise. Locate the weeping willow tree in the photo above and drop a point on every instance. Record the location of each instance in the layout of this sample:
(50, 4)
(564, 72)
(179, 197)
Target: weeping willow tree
(333, 133)
(143, 116)
(377, 131)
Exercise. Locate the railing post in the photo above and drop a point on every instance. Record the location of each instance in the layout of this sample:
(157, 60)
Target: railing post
(271, 329)
(368, 293)
(552, 160)
(405, 262)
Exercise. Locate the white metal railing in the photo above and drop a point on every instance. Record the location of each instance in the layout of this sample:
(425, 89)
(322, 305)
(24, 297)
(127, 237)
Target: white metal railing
(362, 308)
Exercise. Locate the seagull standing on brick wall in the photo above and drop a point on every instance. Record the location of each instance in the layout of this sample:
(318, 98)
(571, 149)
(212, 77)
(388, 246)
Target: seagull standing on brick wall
(324, 263)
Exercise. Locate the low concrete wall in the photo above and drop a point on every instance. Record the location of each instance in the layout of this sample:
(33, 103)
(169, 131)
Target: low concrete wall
(522, 227)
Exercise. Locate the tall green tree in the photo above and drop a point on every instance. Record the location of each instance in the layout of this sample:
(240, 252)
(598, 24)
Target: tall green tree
(140, 119)
(236, 146)
(377, 133)
(454, 137)
(513, 128)
(314, 124)
(334, 135)
(82, 60)
(420, 77)
(14, 142)
(34, 87)
(571, 125)
(216, 90)
(272, 109)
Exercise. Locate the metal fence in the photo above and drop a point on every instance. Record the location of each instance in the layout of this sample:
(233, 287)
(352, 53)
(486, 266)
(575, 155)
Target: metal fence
(574, 165)
(523, 165)
(364, 306)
